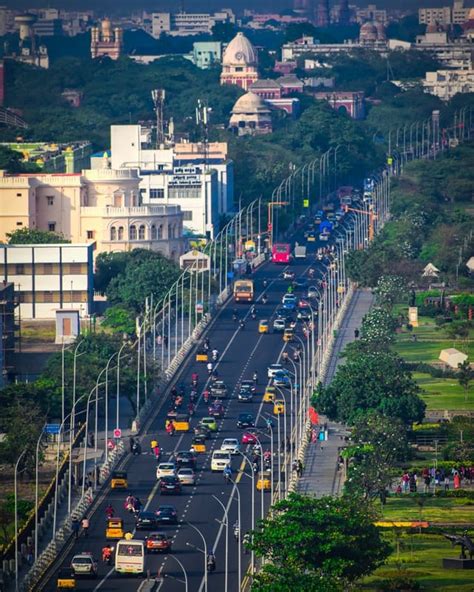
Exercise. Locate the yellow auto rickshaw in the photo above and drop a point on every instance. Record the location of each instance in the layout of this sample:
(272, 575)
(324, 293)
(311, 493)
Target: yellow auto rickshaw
(269, 395)
(263, 326)
(66, 579)
(264, 481)
(181, 422)
(114, 528)
(278, 407)
(288, 334)
(201, 356)
(199, 444)
(119, 480)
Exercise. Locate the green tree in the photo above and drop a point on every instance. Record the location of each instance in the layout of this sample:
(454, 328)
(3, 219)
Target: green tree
(310, 543)
(108, 266)
(371, 381)
(224, 32)
(119, 320)
(33, 236)
(11, 162)
(389, 290)
(465, 377)
(22, 424)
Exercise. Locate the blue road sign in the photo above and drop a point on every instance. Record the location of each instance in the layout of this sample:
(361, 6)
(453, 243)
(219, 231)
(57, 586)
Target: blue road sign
(52, 428)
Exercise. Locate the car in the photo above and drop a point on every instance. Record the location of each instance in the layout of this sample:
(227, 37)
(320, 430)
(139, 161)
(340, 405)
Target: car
(248, 384)
(202, 431)
(219, 389)
(157, 541)
(220, 459)
(187, 476)
(288, 298)
(302, 303)
(273, 369)
(245, 420)
(231, 444)
(304, 315)
(313, 292)
(170, 485)
(300, 284)
(311, 238)
(249, 437)
(84, 564)
(185, 458)
(145, 521)
(281, 379)
(245, 395)
(290, 305)
(285, 314)
(279, 325)
(165, 468)
(217, 409)
(209, 422)
(166, 515)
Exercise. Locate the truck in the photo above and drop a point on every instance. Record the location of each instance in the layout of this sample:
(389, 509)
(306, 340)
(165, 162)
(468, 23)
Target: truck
(300, 252)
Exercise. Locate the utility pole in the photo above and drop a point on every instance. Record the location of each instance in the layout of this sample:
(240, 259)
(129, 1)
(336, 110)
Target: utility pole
(158, 95)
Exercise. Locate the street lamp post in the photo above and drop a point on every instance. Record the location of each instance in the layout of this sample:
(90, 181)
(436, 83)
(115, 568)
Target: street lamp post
(184, 571)
(239, 541)
(252, 556)
(15, 485)
(226, 522)
(37, 488)
(205, 551)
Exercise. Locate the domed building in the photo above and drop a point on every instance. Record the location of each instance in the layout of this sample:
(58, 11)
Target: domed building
(250, 116)
(239, 63)
(368, 33)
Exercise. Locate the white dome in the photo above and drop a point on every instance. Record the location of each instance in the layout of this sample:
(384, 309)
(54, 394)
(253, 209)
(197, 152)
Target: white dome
(250, 103)
(240, 52)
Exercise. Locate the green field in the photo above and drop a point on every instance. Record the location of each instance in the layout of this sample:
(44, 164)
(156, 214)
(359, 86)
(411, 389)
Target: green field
(443, 393)
(443, 510)
(420, 558)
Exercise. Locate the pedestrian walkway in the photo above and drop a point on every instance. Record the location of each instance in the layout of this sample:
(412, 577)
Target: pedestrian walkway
(321, 474)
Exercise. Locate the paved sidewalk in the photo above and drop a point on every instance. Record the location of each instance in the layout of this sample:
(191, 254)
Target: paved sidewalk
(321, 475)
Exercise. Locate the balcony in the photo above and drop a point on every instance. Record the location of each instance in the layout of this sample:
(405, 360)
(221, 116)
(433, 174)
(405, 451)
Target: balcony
(112, 212)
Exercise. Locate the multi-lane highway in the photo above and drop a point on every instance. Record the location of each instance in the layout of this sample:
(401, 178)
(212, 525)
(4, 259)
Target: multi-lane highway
(242, 352)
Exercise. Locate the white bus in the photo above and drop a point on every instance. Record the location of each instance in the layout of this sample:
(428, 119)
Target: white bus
(130, 557)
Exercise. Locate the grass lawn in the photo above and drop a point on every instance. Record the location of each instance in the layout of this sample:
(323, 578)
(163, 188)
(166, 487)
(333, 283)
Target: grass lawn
(435, 509)
(443, 393)
(420, 557)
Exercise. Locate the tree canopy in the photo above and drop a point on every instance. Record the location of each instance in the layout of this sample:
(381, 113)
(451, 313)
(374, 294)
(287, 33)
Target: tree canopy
(332, 541)
(33, 236)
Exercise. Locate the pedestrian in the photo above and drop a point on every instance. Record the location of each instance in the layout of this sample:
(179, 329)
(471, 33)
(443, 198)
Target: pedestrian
(446, 482)
(405, 481)
(159, 340)
(457, 480)
(165, 340)
(75, 525)
(427, 482)
(356, 333)
(288, 444)
(299, 468)
(29, 554)
(85, 526)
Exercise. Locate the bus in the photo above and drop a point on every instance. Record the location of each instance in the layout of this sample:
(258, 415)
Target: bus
(243, 291)
(281, 253)
(130, 557)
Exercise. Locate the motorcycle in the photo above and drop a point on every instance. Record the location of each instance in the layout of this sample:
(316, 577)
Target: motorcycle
(242, 325)
(264, 299)
(236, 530)
(136, 449)
(215, 355)
(211, 565)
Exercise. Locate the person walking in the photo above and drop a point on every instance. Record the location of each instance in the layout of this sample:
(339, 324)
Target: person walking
(75, 526)
(85, 526)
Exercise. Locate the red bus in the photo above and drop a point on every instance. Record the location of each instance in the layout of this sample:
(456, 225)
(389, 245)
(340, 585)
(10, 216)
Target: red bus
(281, 253)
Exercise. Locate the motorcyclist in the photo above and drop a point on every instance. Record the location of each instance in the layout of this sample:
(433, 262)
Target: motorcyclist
(211, 562)
(157, 451)
(285, 357)
(253, 312)
(215, 354)
(255, 377)
(107, 554)
(194, 378)
(242, 324)
(235, 315)
(205, 395)
(264, 299)
(265, 283)
(227, 473)
(109, 511)
(210, 367)
(191, 408)
(170, 429)
(236, 530)
(207, 343)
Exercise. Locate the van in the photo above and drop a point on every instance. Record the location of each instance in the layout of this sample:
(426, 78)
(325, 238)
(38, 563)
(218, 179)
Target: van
(130, 557)
(220, 460)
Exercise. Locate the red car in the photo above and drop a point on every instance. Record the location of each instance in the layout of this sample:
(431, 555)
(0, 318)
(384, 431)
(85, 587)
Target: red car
(303, 304)
(249, 437)
(157, 541)
(216, 409)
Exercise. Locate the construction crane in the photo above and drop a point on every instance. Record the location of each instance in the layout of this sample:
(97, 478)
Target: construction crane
(372, 217)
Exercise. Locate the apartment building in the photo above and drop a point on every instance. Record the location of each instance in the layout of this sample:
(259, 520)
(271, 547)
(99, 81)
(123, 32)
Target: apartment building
(186, 23)
(7, 331)
(457, 14)
(447, 83)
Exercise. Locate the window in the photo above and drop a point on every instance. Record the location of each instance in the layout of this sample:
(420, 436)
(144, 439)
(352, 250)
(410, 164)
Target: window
(118, 201)
(170, 231)
(132, 232)
(120, 233)
(19, 194)
(160, 231)
(141, 232)
(52, 226)
(50, 200)
(19, 223)
(19, 269)
(153, 233)
(75, 268)
(47, 268)
(157, 193)
(90, 234)
(187, 215)
(113, 233)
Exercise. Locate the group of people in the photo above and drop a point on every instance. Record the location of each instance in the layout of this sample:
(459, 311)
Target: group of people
(411, 481)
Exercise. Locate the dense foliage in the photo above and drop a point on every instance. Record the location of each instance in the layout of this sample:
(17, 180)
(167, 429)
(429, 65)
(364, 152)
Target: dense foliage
(33, 236)
(332, 541)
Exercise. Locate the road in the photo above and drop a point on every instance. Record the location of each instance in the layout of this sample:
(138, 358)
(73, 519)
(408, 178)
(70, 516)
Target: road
(241, 353)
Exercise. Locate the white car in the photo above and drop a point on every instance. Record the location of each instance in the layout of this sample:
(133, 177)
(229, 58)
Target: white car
(279, 325)
(165, 469)
(273, 369)
(231, 444)
(84, 564)
(288, 298)
(186, 476)
(220, 460)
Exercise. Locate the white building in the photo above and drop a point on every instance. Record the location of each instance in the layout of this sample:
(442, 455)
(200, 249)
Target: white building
(457, 14)
(308, 46)
(447, 83)
(186, 23)
(200, 182)
(49, 277)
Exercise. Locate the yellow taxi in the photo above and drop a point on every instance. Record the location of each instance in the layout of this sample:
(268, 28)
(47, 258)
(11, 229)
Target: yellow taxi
(114, 528)
(269, 395)
(199, 444)
(119, 480)
(264, 481)
(278, 407)
(263, 326)
(66, 579)
(288, 334)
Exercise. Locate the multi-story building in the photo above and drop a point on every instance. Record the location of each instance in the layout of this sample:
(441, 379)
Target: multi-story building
(186, 23)
(54, 158)
(276, 93)
(196, 177)
(102, 206)
(457, 14)
(308, 46)
(371, 13)
(7, 21)
(206, 54)
(7, 330)
(106, 41)
(447, 83)
(240, 63)
(48, 27)
(31, 52)
(349, 103)
(49, 277)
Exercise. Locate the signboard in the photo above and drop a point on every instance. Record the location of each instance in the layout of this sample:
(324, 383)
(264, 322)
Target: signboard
(186, 176)
(306, 203)
(199, 307)
(390, 160)
(413, 316)
(52, 428)
(117, 433)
